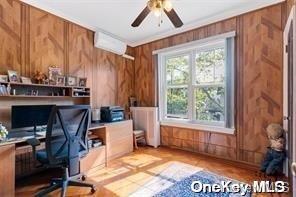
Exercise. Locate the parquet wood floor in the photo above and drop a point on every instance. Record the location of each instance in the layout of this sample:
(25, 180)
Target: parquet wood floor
(127, 174)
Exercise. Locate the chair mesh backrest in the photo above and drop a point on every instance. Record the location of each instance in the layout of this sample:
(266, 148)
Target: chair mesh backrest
(66, 135)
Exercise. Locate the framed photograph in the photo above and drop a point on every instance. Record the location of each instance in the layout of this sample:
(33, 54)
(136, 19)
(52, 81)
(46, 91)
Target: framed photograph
(82, 82)
(3, 78)
(13, 76)
(26, 80)
(71, 81)
(54, 72)
(52, 82)
(60, 81)
(46, 82)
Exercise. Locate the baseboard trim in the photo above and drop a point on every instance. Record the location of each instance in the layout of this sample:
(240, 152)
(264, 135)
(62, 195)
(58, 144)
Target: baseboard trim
(236, 163)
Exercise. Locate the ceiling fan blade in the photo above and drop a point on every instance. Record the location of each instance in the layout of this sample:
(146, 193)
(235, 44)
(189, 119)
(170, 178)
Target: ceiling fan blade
(174, 18)
(141, 17)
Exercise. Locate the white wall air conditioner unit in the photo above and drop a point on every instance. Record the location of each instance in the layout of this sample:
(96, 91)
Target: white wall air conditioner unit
(108, 43)
(146, 118)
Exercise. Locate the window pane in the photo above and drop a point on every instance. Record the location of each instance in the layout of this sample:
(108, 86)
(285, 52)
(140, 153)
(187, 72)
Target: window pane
(177, 70)
(210, 103)
(210, 66)
(177, 102)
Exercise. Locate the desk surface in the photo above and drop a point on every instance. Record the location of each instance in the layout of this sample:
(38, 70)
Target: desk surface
(93, 126)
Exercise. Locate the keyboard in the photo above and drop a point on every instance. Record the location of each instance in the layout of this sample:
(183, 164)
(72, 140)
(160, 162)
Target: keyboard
(23, 134)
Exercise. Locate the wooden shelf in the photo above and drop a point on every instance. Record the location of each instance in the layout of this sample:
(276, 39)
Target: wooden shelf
(45, 91)
(31, 96)
(40, 85)
(99, 147)
(81, 96)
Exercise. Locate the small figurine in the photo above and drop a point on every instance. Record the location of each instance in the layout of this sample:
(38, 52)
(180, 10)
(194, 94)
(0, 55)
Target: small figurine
(39, 77)
(276, 154)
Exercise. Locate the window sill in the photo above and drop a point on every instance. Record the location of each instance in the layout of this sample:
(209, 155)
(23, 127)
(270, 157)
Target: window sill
(188, 125)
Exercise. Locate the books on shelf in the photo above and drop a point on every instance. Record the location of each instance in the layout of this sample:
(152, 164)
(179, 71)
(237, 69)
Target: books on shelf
(4, 90)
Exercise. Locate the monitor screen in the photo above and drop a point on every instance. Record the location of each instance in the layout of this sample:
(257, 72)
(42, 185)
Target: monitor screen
(30, 115)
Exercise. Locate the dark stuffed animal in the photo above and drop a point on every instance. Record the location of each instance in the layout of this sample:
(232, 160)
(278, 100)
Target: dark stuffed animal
(275, 156)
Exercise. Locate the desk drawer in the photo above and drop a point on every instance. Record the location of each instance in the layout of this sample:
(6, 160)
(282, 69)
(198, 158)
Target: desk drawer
(119, 130)
(119, 147)
(95, 158)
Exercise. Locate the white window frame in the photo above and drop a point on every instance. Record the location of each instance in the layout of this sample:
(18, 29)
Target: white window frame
(164, 59)
(191, 49)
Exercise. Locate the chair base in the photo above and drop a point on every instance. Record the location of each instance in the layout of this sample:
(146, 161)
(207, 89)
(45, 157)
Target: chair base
(63, 183)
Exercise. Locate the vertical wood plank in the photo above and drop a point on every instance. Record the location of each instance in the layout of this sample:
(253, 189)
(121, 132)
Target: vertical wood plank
(47, 37)
(10, 39)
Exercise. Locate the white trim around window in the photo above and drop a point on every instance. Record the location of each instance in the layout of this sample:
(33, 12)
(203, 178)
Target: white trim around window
(223, 41)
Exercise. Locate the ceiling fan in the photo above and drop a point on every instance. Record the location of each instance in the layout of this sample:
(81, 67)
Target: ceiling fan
(158, 7)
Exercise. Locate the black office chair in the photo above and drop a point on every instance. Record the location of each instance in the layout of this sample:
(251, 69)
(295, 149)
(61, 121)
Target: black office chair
(66, 143)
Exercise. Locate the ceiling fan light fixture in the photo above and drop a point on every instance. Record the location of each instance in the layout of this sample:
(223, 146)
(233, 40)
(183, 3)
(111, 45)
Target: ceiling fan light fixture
(151, 4)
(159, 8)
(167, 5)
(157, 12)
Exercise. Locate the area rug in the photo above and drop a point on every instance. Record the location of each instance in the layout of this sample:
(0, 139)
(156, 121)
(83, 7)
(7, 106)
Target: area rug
(176, 179)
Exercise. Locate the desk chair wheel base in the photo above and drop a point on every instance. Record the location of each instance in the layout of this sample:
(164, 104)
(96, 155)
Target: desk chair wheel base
(63, 183)
(83, 177)
(93, 190)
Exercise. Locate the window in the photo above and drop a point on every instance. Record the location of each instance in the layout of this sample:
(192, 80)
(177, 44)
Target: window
(196, 84)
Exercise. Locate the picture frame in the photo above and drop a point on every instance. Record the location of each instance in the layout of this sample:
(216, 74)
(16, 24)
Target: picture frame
(71, 81)
(13, 76)
(26, 80)
(52, 82)
(60, 80)
(4, 78)
(82, 82)
(46, 82)
(54, 72)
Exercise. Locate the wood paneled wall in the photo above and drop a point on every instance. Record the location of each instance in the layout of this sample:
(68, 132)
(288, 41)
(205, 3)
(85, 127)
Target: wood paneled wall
(32, 39)
(10, 39)
(258, 84)
(47, 41)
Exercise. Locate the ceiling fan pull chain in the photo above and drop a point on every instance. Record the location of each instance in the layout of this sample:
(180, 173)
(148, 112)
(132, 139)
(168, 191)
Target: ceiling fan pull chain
(160, 20)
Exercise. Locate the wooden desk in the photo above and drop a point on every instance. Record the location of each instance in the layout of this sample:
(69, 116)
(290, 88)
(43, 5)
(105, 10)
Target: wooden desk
(117, 139)
(7, 170)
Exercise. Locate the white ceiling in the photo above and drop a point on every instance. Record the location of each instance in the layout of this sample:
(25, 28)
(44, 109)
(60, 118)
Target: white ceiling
(115, 16)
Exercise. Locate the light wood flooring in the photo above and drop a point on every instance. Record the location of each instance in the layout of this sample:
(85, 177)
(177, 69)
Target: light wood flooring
(125, 175)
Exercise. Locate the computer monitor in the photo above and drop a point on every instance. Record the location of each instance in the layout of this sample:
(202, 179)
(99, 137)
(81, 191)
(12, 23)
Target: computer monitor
(30, 115)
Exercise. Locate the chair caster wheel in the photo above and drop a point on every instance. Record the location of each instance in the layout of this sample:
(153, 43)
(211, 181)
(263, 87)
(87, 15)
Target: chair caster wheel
(93, 190)
(83, 177)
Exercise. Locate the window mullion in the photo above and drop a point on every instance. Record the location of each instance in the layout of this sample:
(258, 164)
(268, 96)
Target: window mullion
(194, 52)
(190, 88)
(164, 87)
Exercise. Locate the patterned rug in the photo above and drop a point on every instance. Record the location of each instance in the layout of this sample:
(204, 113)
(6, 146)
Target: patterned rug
(176, 180)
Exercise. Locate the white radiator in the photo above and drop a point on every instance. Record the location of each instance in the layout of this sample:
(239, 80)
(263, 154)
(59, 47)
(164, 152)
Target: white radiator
(146, 118)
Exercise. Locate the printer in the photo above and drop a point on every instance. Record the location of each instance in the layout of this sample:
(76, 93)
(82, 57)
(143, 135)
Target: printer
(112, 114)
